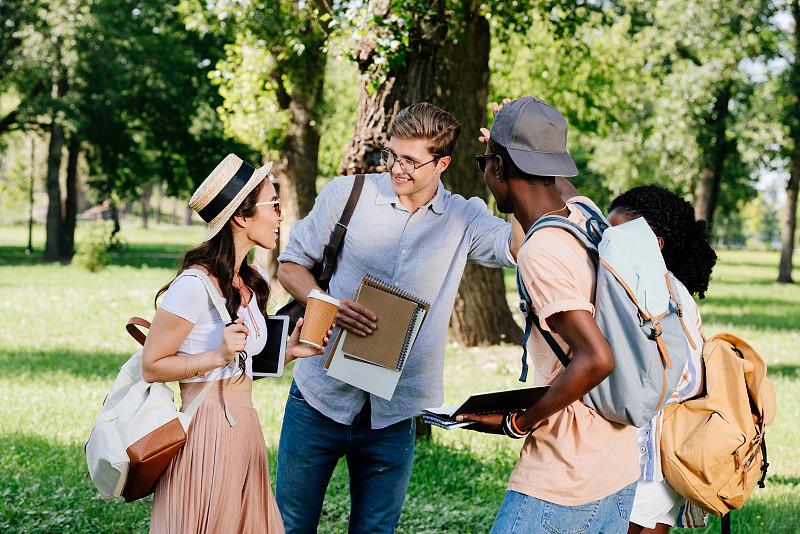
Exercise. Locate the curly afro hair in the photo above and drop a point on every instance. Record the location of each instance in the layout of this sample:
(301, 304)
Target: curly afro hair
(687, 251)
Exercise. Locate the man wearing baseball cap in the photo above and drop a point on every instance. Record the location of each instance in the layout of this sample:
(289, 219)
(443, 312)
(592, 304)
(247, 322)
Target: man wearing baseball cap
(577, 471)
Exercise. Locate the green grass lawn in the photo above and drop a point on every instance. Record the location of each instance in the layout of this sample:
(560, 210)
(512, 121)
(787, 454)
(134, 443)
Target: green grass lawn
(62, 341)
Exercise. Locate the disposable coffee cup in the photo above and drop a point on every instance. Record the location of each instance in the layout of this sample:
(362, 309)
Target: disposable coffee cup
(320, 312)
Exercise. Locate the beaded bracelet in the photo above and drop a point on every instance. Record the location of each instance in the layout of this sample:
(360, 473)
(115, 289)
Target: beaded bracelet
(509, 426)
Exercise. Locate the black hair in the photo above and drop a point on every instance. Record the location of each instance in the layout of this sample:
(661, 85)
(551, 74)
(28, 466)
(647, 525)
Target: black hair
(500, 150)
(687, 249)
(218, 256)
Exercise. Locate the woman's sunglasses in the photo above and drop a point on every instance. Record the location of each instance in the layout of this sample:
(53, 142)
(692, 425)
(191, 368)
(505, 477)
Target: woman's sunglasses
(274, 203)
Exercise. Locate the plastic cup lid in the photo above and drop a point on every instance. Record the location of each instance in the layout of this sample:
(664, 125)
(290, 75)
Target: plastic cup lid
(317, 294)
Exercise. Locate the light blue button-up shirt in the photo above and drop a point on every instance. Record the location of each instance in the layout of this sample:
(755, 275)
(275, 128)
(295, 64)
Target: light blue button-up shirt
(423, 253)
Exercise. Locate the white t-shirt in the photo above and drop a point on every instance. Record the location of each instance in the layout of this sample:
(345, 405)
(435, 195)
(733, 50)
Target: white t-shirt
(188, 299)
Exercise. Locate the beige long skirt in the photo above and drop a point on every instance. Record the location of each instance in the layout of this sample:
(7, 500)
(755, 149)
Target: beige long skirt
(219, 481)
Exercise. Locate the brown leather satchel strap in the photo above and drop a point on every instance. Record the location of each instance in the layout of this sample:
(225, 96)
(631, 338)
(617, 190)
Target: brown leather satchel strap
(332, 249)
(133, 328)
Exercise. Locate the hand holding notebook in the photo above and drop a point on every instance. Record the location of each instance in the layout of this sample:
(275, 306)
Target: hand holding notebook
(374, 362)
(400, 316)
(493, 402)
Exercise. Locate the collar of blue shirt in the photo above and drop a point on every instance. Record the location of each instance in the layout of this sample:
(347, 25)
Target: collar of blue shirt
(387, 196)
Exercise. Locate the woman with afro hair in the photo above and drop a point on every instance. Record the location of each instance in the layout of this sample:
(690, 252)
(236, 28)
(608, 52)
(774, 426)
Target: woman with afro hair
(684, 243)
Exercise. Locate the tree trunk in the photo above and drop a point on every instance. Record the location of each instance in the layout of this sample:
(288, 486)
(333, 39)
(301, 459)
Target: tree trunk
(147, 193)
(714, 147)
(159, 201)
(402, 86)
(481, 315)
(789, 224)
(55, 216)
(187, 216)
(71, 201)
(296, 170)
(299, 88)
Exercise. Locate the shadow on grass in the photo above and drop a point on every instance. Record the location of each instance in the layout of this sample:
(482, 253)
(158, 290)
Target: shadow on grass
(783, 480)
(454, 490)
(103, 366)
(783, 370)
(450, 490)
(772, 312)
(136, 255)
(17, 256)
(86, 365)
(152, 254)
(44, 491)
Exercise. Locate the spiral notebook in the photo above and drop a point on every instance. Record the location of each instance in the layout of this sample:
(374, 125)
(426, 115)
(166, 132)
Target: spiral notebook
(376, 368)
(400, 316)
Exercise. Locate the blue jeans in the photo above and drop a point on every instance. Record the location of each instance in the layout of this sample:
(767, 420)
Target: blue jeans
(379, 463)
(521, 513)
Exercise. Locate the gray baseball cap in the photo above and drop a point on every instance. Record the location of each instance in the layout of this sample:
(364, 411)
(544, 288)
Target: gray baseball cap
(535, 135)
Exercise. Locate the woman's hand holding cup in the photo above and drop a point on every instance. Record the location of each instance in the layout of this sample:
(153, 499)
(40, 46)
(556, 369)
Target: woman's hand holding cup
(295, 349)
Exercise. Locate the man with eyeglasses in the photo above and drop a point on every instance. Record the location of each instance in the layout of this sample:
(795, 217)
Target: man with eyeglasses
(409, 231)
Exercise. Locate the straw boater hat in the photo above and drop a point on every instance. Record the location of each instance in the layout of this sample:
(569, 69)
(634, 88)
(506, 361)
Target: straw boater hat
(224, 190)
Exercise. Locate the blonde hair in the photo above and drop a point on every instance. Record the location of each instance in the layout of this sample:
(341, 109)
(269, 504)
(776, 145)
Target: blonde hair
(426, 121)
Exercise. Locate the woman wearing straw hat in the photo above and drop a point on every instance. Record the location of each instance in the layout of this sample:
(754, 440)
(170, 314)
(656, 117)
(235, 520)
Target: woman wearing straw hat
(219, 481)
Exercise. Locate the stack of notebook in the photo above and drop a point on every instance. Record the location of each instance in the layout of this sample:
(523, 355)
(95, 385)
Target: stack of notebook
(374, 362)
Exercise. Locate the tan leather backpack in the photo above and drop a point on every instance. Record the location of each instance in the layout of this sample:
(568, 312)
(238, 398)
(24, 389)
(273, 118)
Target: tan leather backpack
(713, 451)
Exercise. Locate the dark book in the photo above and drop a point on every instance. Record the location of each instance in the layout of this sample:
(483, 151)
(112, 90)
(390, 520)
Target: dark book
(507, 400)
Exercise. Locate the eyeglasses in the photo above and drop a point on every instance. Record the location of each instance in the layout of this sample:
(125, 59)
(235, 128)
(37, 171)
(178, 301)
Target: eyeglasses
(407, 166)
(481, 159)
(274, 203)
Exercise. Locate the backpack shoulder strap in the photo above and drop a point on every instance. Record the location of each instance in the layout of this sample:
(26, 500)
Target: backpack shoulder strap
(673, 293)
(589, 236)
(226, 319)
(531, 319)
(332, 248)
(212, 292)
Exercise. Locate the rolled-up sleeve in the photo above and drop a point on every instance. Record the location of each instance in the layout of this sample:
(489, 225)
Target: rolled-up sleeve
(490, 237)
(559, 274)
(308, 236)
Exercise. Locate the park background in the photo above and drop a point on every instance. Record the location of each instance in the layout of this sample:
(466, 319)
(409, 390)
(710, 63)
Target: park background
(135, 101)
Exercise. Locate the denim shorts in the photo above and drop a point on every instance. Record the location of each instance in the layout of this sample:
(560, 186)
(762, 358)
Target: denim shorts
(522, 513)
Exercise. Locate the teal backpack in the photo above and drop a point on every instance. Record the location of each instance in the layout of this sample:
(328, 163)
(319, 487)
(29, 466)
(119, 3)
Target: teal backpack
(637, 309)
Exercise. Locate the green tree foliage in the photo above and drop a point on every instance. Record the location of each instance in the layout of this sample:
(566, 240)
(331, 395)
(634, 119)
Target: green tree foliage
(126, 83)
(149, 108)
(638, 83)
(22, 73)
(272, 80)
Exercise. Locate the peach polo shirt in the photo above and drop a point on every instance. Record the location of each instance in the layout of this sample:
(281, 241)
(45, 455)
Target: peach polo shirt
(574, 456)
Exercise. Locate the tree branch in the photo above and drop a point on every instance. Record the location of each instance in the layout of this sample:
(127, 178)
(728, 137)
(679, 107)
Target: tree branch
(11, 119)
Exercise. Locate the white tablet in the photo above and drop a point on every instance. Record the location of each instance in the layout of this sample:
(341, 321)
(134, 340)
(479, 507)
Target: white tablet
(269, 362)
